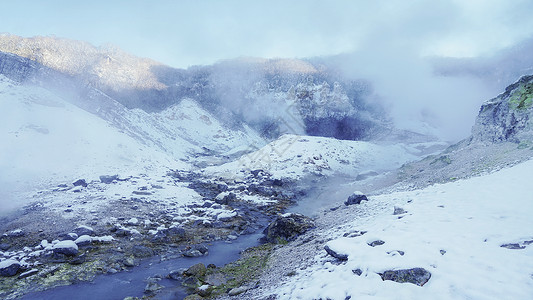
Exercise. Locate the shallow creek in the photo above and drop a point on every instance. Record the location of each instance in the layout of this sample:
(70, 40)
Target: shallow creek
(133, 282)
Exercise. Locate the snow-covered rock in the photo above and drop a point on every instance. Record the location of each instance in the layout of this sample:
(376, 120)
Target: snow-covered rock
(9, 267)
(68, 248)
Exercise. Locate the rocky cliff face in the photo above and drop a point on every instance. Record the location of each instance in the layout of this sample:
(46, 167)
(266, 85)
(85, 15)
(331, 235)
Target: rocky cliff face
(274, 96)
(508, 117)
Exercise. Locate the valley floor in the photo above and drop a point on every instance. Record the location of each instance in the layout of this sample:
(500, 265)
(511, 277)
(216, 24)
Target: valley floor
(474, 236)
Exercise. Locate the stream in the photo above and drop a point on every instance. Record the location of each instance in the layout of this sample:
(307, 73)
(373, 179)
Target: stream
(133, 282)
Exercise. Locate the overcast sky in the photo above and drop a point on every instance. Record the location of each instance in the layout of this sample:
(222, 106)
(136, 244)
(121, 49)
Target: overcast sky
(184, 33)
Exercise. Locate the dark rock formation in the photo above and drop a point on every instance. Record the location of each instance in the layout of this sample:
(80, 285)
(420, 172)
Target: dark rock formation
(108, 178)
(80, 182)
(355, 198)
(287, 227)
(418, 276)
(67, 247)
(507, 117)
(9, 267)
(335, 254)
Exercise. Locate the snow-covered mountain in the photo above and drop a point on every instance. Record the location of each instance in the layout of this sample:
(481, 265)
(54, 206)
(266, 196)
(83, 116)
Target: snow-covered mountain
(274, 96)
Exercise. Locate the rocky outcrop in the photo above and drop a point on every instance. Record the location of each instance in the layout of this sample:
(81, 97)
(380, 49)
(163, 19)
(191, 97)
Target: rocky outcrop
(508, 117)
(292, 95)
(287, 227)
(418, 276)
(355, 198)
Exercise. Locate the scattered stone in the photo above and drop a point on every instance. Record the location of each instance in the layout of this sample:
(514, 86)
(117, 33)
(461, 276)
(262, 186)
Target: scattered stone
(238, 290)
(402, 253)
(142, 251)
(152, 287)
(4, 246)
(132, 222)
(399, 211)
(176, 231)
(68, 248)
(225, 198)
(355, 198)
(193, 297)
(192, 253)
(376, 243)
(191, 282)
(418, 276)
(226, 216)
(335, 254)
(197, 270)
(28, 273)
(202, 248)
(353, 234)
(128, 262)
(9, 267)
(80, 182)
(69, 236)
(83, 240)
(107, 179)
(357, 272)
(84, 230)
(78, 260)
(175, 274)
(287, 227)
(513, 246)
(142, 193)
(204, 290)
(442, 252)
(15, 233)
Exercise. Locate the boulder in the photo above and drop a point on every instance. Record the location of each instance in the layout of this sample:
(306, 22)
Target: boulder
(418, 276)
(337, 255)
(107, 179)
(142, 251)
(376, 243)
(15, 233)
(84, 230)
(197, 270)
(225, 198)
(9, 267)
(287, 227)
(398, 211)
(176, 231)
(355, 198)
(80, 182)
(66, 247)
(192, 253)
(83, 240)
(152, 287)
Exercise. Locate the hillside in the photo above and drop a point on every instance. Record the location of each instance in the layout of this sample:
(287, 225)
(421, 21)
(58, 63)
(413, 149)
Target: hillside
(293, 96)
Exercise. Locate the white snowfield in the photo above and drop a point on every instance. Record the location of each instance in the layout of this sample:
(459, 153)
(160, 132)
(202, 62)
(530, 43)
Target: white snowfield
(44, 137)
(294, 156)
(469, 220)
(47, 140)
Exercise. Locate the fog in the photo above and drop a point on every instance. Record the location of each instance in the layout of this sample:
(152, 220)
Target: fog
(414, 96)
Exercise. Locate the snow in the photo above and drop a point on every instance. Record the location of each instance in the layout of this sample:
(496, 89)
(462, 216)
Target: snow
(67, 244)
(293, 156)
(468, 219)
(7, 263)
(47, 140)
